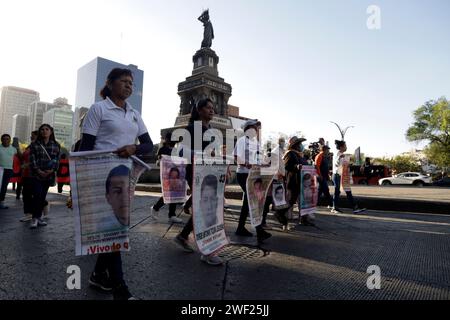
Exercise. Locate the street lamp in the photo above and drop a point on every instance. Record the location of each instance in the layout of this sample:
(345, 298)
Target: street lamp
(343, 132)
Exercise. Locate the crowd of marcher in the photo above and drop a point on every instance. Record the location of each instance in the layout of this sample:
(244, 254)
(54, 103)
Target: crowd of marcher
(113, 124)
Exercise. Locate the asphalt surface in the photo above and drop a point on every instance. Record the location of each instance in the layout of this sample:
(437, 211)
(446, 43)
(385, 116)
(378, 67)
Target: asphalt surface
(329, 261)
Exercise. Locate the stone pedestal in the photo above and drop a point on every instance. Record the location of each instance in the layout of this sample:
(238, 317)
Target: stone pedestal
(203, 83)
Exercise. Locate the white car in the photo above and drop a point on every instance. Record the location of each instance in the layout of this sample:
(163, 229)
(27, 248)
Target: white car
(412, 178)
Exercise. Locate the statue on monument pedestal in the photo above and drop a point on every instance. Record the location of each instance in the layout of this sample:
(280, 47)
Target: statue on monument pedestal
(208, 34)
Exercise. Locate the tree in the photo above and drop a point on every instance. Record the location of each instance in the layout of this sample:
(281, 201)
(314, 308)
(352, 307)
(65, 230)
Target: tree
(432, 124)
(400, 164)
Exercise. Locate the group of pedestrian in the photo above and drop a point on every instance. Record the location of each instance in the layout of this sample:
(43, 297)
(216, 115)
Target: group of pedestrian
(34, 171)
(113, 124)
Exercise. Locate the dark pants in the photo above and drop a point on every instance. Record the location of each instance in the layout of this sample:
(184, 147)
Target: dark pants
(7, 174)
(242, 181)
(160, 204)
(267, 204)
(189, 227)
(19, 189)
(281, 216)
(337, 192)
(27, 195)
(323, 189)
(40, 190)
(111, 262)
(60, 187)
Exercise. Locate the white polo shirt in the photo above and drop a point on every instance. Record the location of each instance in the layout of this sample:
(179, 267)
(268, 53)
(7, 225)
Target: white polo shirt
(247, 150)
(112, 126)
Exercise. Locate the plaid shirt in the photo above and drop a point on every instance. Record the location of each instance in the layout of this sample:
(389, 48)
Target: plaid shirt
(39, 158)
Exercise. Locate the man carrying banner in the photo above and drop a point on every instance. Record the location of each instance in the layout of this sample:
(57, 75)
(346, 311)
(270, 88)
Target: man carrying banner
(247, 154)
(341, 177)
(113, 124)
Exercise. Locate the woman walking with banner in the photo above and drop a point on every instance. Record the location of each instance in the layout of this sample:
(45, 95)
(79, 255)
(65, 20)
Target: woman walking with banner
(112, 124)
(203, 112)
(341, 177)
(294, 161)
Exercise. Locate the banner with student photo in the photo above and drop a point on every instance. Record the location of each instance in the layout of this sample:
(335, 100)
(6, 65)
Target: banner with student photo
(102, 187)
(346, 178)
(258, 184)
(309, 191)
(173, 179)
(279, 195)
(208, 191)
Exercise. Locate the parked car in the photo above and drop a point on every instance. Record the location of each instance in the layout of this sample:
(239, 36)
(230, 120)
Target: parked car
(411, 178)
(444, 182)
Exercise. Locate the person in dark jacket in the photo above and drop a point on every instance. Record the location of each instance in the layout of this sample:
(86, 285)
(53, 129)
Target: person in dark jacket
(294, 161)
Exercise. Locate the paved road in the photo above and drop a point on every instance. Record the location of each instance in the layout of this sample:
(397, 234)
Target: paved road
(428, 193)
(329, 261)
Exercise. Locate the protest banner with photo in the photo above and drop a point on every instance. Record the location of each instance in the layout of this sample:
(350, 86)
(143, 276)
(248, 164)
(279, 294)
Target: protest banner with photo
(102, 187)
(346, 179)
(308, 191)
(207, 206)
(258, 185)
(173, 179)
(279, 195)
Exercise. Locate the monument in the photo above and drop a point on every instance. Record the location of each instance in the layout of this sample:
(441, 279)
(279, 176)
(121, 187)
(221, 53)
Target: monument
(204, 83)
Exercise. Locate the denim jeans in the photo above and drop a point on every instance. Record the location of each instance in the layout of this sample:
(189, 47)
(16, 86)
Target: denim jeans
(7, 174)
(337, 192)
(40, 190)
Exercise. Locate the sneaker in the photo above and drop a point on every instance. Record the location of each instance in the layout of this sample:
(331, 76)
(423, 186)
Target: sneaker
(175, 219)
(100, 281)
(41, 222)
(154, 213)
(184, 244)
(212, 260)
(122, 293)
(34, 223)
(336, 210)
(286, 228)
(263, 235)
(3, 207)
(358, 210)
(27, 217)
(244, 233)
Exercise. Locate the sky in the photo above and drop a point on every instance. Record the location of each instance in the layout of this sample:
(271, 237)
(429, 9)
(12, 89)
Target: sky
(295, 65)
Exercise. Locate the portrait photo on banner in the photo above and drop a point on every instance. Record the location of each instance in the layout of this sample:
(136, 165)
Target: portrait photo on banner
(208, 206)
(279, 196)
(173, 179)
(309, 190)
(257, 188)
(102, 189)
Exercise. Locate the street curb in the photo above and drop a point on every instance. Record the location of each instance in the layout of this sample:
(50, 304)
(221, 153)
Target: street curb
(370, 203)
